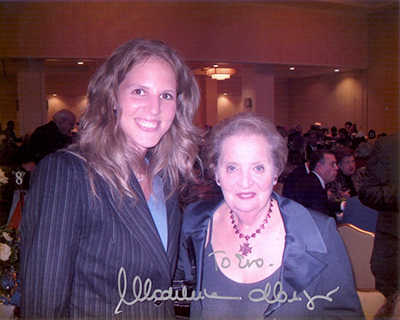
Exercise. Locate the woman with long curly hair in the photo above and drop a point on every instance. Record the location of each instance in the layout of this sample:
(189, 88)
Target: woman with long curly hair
(104, 213)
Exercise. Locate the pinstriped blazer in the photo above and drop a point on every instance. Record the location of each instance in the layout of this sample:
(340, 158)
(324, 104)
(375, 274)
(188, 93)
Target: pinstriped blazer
(73, 246)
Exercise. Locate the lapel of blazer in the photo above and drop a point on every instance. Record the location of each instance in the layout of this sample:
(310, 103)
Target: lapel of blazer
(138, 220)
(317, 185)
(174, 219)
(299, 267)
(196, 228)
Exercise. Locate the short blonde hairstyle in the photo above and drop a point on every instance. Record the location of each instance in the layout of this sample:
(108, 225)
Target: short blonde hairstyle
(246, 123)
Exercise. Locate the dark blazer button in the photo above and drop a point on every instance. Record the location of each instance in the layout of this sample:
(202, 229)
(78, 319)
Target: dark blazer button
(157, 303)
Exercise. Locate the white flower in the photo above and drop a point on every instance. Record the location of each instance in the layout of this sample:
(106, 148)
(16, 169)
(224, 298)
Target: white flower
(7, 236)
(5, 252)
(3, 178)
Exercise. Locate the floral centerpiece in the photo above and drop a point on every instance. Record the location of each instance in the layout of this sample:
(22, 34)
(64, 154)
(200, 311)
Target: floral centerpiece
(9, 263)
(3, 178)
(9, 260)
(9, 248)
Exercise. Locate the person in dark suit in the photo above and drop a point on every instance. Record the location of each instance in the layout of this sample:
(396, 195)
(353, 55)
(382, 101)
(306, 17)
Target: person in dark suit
(104, 214)
(51, 136)
(10, 133)
(313, 144)
(310, 190)
(289, 184)
(252, 254)
(380, 190)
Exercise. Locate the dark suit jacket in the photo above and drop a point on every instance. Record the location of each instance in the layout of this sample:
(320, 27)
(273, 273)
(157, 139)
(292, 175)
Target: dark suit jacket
(74, 246)
(314, 260)
(309, 193)
(309, 151)
(44, 140)
(380, 191)
(289, 184)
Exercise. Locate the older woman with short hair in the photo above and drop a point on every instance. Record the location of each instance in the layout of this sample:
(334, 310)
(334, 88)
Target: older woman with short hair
(254, 254)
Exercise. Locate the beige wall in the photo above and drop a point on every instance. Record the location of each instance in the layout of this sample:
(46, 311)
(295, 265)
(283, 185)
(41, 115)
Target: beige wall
(331, 100)
(8, 101)
(383, 71)
(202, 30)
(243, 32)
(75, 104)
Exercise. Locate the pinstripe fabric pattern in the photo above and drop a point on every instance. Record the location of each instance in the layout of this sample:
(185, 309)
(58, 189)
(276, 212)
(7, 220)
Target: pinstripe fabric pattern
(73, 246)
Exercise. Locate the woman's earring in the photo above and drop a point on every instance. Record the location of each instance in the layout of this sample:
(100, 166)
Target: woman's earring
(275, 180)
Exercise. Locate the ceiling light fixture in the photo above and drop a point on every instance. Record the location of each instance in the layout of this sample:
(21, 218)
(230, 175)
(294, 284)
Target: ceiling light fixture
(220, 73)
(80, 62)
(336, 70)
(291, 69)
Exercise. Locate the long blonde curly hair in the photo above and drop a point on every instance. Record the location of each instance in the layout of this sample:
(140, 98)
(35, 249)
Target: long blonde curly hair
(102, 142)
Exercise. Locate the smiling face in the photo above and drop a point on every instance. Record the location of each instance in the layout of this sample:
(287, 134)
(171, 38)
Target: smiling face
(245, 173)
(148, 103)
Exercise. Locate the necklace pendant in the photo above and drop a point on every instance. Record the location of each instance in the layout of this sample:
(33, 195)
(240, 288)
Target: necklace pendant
(245, 249)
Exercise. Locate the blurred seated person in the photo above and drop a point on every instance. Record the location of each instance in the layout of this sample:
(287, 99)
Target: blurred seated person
(292, 134)
(348, 179)
(283, 131)
(334, 133)
(331, 138)
(356, 136)
(299, 128)
(311, 189)
(353, 131)
(364, 150)
(296, 167)
(10, 134)
(52, 136)
(8, 146)
(297, 145)
(348, 126)
(297, 150)
(290, 181)
(291, 249)
(313, 144)
(344, 139)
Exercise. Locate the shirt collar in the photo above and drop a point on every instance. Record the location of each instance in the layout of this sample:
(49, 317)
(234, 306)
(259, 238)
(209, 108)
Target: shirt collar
(319, 178)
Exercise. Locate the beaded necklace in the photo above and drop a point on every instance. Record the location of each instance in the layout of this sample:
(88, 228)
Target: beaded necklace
(245, 249)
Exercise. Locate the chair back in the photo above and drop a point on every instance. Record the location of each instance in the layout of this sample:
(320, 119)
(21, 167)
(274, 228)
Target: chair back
(371, 302)
(360, 215)
(359, 244)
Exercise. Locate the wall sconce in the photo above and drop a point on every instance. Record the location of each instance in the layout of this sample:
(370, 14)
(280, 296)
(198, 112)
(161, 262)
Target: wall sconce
(220, 73)
(248, 103)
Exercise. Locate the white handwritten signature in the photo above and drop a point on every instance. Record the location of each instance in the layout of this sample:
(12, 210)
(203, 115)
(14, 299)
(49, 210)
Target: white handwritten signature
(143, 292)
(281, 296)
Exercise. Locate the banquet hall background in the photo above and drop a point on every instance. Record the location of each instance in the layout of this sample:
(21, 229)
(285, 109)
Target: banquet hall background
(345, 56)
